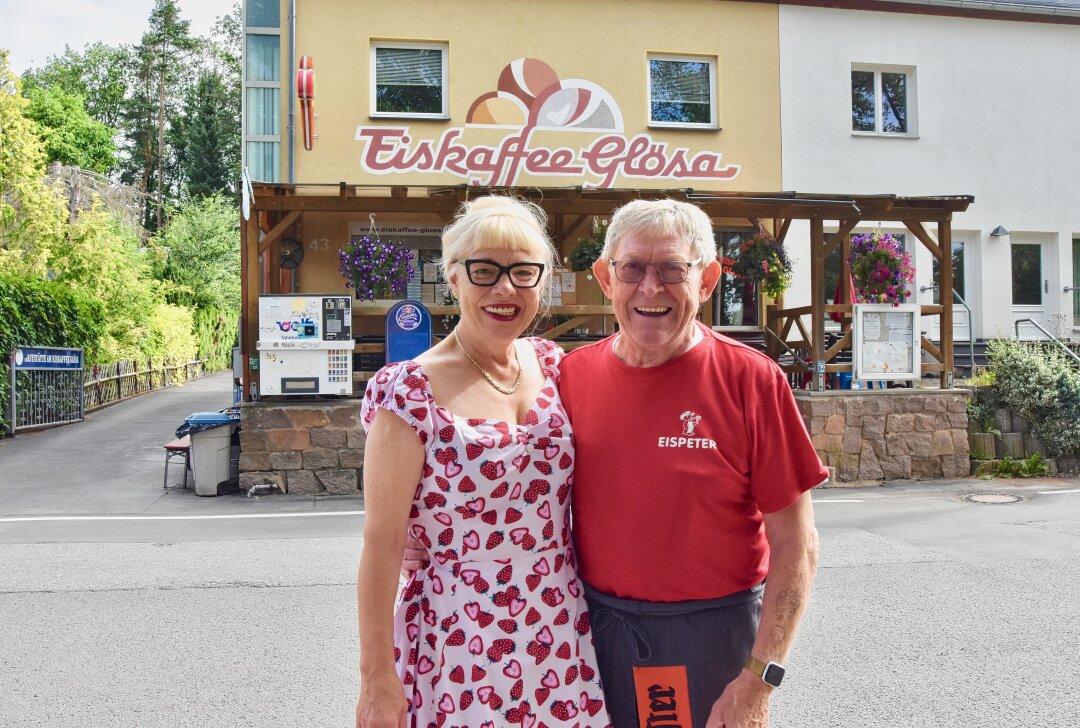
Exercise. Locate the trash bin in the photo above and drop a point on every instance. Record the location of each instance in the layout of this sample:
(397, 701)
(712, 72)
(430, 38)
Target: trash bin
(211, 438)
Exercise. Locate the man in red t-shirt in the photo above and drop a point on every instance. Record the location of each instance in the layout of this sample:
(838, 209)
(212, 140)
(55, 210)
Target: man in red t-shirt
(690, 488)
(692, 466)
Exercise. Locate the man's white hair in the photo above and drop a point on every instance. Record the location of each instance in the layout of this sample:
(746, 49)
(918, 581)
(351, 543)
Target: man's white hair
(661, 219)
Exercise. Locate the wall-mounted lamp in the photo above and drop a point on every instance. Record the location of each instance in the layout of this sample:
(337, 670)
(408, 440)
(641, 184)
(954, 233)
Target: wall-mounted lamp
(999, 231)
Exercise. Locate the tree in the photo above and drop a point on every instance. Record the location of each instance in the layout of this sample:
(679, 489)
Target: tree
(71, 136)
(98, 74)
(201, 245)
(31, 214)
(161, 73)
(206, 139)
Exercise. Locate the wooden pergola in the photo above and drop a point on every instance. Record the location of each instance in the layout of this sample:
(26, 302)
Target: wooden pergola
(569, 209)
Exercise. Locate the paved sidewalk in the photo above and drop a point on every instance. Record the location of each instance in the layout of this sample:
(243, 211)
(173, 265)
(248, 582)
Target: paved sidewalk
(112, 462)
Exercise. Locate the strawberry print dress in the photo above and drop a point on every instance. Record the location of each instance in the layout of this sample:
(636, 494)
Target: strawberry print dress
(495, 631)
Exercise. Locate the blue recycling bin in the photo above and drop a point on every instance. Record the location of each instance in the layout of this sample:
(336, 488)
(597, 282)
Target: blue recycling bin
(843, 380)
(211, 439)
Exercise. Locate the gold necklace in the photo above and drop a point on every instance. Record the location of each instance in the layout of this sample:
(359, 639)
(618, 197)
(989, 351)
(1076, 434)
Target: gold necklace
(490, 380)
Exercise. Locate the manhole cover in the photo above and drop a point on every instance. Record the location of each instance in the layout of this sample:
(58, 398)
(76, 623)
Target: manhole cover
(997, 499)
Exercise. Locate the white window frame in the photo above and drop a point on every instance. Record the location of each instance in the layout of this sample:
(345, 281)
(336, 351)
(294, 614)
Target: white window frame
(246, 83)
(713, 123)
(910, 87)
(444, 114)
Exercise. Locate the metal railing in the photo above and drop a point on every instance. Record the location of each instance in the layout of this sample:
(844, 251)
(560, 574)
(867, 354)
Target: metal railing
(970, 323)
(1050, 336)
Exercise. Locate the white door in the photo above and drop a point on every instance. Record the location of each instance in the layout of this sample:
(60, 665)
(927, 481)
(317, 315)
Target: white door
(1029, 284)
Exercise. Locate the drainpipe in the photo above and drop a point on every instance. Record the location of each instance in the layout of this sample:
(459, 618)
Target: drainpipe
(290, 85)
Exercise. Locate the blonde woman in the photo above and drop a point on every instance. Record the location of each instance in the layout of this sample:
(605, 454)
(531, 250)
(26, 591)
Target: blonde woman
(470, 451)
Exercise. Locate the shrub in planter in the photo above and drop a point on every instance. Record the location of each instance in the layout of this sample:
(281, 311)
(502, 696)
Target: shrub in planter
(1041, 383)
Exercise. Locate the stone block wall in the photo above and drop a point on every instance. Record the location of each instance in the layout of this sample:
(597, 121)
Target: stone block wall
(889, 434)
(308, 448)
(1015, 440)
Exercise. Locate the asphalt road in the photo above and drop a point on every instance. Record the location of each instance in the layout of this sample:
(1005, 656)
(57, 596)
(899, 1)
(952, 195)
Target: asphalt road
(124, 605)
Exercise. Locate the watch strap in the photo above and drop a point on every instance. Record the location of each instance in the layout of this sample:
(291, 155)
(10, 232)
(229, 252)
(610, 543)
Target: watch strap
(771, 673)
(755, 666)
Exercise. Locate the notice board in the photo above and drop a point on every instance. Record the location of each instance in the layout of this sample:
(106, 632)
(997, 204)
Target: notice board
(887, 341)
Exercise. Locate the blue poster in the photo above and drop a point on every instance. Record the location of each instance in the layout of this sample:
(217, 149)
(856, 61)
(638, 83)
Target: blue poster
(408, 331)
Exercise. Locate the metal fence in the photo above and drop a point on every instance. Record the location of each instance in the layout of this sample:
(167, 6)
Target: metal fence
(108, 383)
(44, 387)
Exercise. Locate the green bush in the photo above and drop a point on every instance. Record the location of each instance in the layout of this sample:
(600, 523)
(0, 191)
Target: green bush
(1042, 384)
(36, 312)
(215, 334)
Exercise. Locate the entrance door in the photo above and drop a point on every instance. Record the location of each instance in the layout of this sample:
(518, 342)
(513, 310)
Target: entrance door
(1029, 285)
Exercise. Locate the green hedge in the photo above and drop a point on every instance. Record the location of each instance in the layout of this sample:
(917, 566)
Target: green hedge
(36, 312)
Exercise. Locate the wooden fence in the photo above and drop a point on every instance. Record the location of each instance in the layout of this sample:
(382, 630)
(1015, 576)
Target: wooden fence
(108, 383)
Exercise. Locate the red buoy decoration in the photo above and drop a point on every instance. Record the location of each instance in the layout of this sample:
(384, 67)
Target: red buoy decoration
(305, 91)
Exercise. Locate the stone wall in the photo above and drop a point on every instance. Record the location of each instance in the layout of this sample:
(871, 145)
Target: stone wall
(308, 448)
(889, 434)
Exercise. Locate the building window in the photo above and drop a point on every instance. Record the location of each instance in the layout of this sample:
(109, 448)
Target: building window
(1026, 274)
(409, 80)
(261, 104)
(263, 14)
(682, 91)
(263, 160)
(735, 302)
(883, 100)
(262, 62)
(957, 275)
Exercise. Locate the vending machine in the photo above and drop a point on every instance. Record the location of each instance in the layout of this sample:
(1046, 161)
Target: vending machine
(305, 344)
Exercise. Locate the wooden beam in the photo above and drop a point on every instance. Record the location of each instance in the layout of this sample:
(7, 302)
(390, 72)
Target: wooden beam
(919, 232)
(839, 346)
(929, 348)
(278, 230)
(945, 295)
(784, 226)
(249, 296)
(817, 300)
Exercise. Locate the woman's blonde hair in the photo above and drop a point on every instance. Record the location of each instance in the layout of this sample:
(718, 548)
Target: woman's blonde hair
(499, 222)
(661, 219)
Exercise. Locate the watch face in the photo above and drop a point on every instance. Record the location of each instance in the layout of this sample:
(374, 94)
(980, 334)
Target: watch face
(773, 674)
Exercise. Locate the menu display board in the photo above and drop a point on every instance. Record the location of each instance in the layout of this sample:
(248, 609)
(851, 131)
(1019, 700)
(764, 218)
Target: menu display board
(887, 341)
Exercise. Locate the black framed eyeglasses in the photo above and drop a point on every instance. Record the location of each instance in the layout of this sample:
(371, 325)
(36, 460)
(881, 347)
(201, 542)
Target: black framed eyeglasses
(670, 271)
(488, 272)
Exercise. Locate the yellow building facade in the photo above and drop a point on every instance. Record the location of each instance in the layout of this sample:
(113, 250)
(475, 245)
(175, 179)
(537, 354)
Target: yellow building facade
(556, 95)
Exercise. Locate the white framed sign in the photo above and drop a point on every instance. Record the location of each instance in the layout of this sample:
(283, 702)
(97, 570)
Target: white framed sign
(887, 341)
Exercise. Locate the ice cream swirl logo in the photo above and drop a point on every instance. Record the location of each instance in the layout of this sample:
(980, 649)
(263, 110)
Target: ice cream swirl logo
(530, 97)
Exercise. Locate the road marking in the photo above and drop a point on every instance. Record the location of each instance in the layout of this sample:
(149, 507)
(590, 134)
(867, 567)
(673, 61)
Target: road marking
(207, 517)
(1055, 492)
(836, 500)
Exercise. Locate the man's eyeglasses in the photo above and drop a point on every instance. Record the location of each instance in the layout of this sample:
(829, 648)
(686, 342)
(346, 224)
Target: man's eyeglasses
(488, 272)
(670, 271)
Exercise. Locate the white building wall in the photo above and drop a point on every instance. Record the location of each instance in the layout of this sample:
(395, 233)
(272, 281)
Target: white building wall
(997, 113)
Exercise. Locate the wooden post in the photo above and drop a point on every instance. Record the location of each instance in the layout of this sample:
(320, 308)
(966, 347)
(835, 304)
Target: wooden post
(945, 295)
(250, 275)
(817, 302)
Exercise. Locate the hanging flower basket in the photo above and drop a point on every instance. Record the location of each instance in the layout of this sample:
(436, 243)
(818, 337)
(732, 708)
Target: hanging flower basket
(881, 268)
(375, 268)
(762, 260)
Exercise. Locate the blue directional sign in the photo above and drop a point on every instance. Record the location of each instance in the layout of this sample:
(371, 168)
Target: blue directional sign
(408, 331)
(39, 357)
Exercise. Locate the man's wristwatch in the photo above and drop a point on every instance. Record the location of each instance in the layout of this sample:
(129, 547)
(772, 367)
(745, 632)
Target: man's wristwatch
(771, 673)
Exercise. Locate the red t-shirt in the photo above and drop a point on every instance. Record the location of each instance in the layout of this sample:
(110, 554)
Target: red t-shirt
(675, 465)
